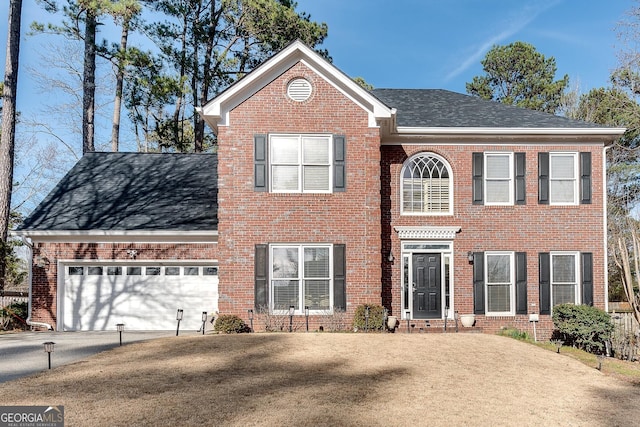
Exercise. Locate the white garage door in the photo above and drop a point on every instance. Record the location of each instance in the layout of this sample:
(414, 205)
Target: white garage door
(143, 297)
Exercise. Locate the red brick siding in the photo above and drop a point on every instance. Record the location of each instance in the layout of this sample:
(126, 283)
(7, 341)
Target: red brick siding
(45, 280)
(247, 217)
(531, 228)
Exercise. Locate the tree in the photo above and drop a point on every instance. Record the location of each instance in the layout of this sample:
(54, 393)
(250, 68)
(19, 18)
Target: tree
(79, 13)
(123, 12)
(212, 43)
(7, 137)
(518, 75)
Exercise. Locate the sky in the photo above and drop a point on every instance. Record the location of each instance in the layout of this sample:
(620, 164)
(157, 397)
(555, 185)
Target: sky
(434, 44)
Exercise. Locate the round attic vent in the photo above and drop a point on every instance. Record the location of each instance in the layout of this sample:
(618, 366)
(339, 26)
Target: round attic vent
(299, 90)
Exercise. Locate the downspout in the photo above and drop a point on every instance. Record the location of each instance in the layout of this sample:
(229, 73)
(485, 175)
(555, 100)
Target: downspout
(606, 227)
(29, 245)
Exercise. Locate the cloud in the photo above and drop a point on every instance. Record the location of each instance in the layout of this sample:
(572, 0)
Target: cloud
(522, 18)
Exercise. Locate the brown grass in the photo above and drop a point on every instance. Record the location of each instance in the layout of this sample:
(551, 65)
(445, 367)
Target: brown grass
(330, 379)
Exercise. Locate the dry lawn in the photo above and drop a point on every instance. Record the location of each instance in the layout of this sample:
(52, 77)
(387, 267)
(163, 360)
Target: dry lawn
(331, 379)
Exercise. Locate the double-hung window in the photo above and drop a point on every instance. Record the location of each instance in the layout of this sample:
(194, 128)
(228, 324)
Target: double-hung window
(498, 178)
(500, 283)
(301, 276)
(564, 278)
(563, 178)
(300, 163)
(498, 183)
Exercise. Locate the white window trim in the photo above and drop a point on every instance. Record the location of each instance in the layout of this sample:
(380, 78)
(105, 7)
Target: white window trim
(512, 285)
(576, 174)
(451, 186)
(300, 164)
(511, 178)
(300, 306)
(576, 266)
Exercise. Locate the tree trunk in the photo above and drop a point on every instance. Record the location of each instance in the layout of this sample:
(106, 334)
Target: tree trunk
(115, 130)
(8, 136)
(89, 83)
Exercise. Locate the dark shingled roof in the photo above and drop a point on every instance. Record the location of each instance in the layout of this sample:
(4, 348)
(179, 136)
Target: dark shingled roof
(133, 191)
(442, 108)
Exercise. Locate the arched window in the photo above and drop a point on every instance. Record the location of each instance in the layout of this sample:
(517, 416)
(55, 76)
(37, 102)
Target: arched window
(427, 185)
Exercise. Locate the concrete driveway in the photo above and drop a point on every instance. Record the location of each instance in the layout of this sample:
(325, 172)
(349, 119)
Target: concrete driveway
(22, 353)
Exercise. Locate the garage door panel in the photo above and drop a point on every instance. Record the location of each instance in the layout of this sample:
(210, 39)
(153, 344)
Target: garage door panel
(140, 302)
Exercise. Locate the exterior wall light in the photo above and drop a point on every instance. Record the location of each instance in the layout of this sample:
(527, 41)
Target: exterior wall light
(48, 347)
(390, 257)
(470, 257)
(179, 318)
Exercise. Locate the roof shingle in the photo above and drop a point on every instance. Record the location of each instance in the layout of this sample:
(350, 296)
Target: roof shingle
(132, 191)
(443, 108)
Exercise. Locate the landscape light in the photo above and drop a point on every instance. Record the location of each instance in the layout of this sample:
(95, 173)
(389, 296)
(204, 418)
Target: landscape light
(120, 327)
(306, 315)
(292, 310)
(179, 318)
(250, 313)
(204, 321)
(48, 347)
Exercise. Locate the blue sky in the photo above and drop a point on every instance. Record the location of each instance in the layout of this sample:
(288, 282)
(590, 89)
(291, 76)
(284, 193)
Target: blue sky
(439, 44)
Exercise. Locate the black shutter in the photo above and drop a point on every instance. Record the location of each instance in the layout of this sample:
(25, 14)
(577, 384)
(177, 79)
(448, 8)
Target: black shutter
(520, 183)
(339, 277)
(545, 283)
(585, 178)
(587, 278)
(543, 178)
(477, 178)
(260, 163)
(339, 163)
(478, 282)
(261, 289)
(521, 283)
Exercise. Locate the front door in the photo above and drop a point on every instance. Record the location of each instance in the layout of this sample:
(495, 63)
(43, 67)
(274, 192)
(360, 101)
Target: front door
(427, 286)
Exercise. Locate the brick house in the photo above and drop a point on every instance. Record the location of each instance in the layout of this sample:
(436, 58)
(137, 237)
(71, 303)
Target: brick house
(323, 196)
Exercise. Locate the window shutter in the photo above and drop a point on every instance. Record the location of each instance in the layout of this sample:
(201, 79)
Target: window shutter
(339, 163)
(587, 278)
(478, 282)
(260, 162)
(261, 289)
(521, 283)
(545, 283)
(520, 183)
(477, 175)
(585, 178)
(339, 277)
(543, 178)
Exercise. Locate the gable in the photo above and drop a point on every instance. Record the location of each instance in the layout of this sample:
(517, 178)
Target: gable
(132, 191)
(216, 112)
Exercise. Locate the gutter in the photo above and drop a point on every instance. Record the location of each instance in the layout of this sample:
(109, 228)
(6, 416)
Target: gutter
(30, 322)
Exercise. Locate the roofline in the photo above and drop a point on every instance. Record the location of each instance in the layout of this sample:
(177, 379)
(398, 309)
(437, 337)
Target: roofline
(215, 112)
(596, 131)
(94, 236)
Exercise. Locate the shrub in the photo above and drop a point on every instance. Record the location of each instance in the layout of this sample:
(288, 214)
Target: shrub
(376, 317)
(229, 324)
(582, 326)
(13, 315)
